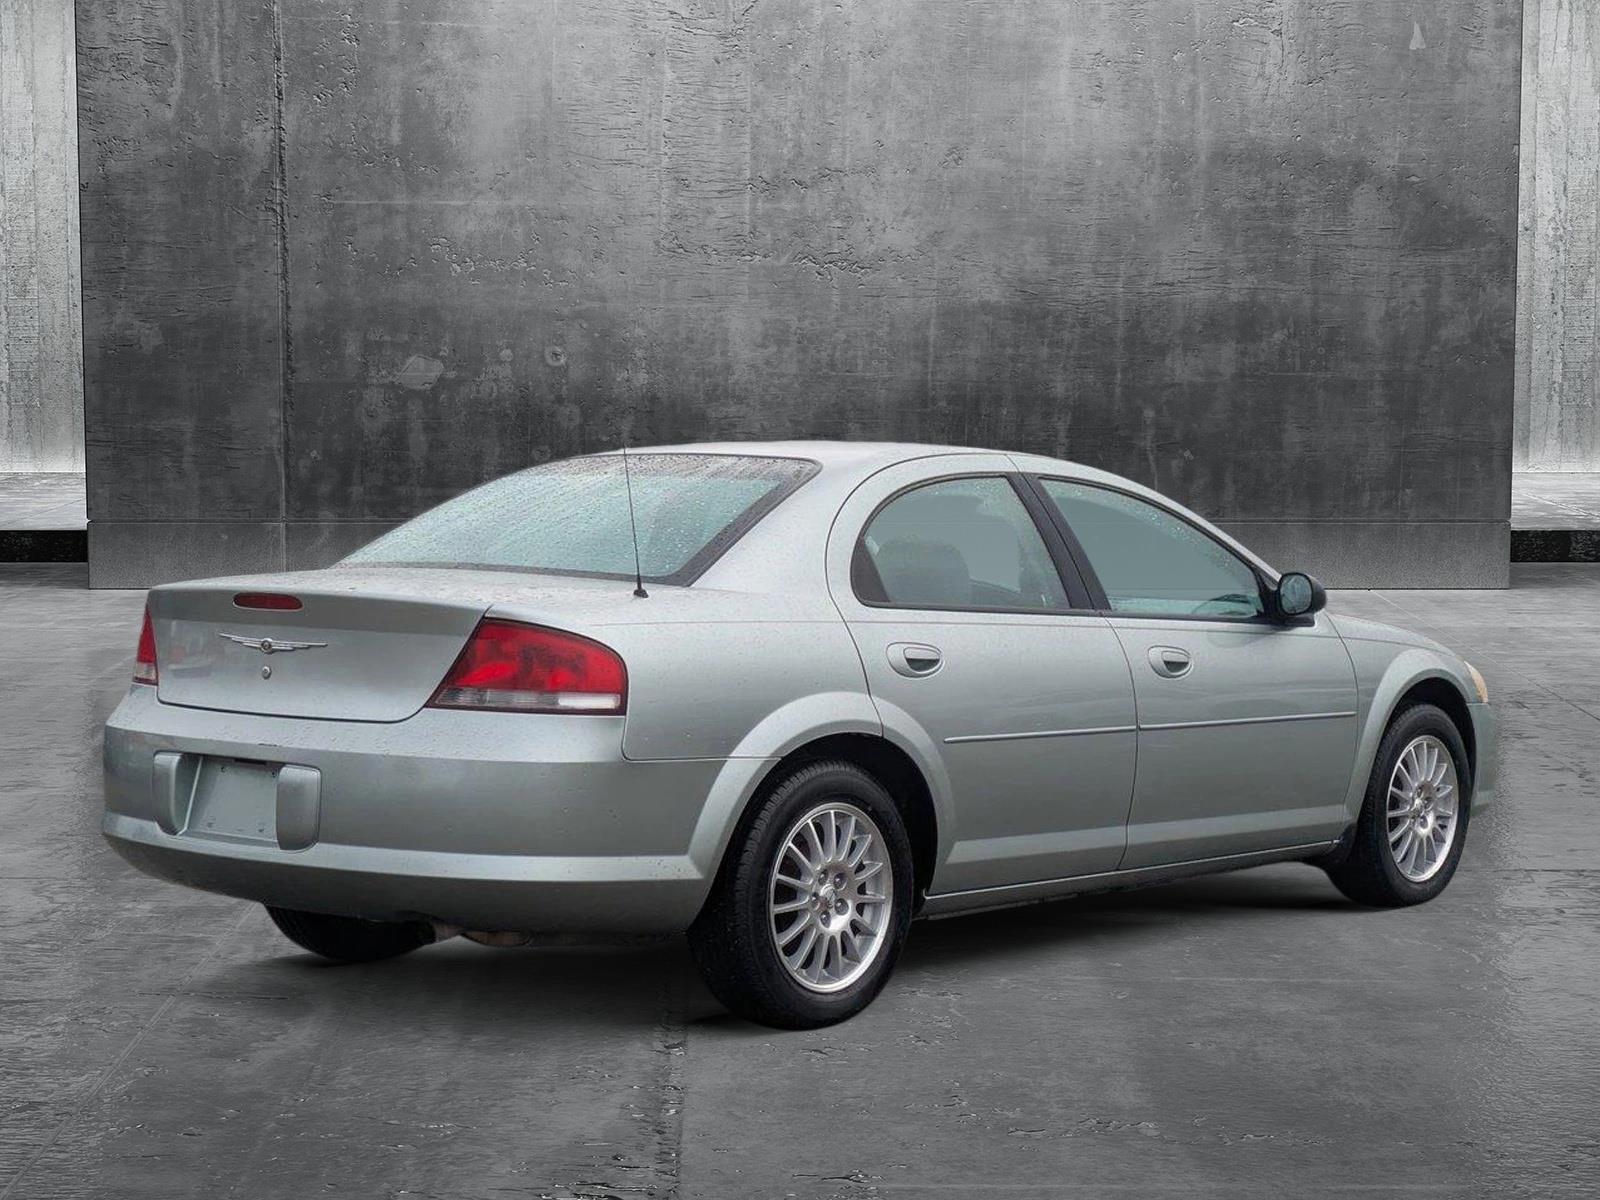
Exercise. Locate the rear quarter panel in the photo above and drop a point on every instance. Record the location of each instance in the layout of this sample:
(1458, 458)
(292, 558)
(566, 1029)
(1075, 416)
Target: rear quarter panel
(745, 681)
(720, 674)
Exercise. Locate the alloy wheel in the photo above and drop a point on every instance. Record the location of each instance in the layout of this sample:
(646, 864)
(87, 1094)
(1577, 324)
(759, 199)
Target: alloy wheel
(1424, 799)
(830, 897)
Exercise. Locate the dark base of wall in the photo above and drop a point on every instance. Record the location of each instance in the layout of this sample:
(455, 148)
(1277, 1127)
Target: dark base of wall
(44, 545)
(1385, 554)
(1555, 545)
(1342, 554)
(141, 554)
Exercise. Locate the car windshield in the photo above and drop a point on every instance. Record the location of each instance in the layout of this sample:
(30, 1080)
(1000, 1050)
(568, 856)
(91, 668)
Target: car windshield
(571, 517)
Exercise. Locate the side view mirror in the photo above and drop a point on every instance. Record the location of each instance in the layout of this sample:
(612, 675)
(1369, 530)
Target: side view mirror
(1298, 595)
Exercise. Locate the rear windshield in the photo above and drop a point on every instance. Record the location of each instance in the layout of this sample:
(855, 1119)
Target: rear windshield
(571, 517)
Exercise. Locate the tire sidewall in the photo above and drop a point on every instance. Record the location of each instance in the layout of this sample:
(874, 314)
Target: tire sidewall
(790, 800)
(1413, 723)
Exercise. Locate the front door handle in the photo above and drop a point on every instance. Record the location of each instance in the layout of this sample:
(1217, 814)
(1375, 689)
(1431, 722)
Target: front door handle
(1170, 662)
(915, 659)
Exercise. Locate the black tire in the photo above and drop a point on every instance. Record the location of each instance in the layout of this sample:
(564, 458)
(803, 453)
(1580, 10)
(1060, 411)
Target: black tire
(732, 941)
(350, 939)
(1368, 873)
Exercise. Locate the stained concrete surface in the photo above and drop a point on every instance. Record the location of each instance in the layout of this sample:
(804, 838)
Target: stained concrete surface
(1248, 1035)
(344, 258)
(1555, 516)
(1555, 500)
(42, 517)
(41, 320)
(42, 500)
(1557, 423)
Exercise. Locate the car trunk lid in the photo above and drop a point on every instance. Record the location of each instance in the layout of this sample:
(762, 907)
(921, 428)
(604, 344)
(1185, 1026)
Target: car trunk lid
(342, 655)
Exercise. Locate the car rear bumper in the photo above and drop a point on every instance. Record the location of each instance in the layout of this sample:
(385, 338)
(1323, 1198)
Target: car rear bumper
(542, 893)
(498, 821)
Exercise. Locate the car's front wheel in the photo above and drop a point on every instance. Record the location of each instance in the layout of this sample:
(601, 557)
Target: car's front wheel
(1413, 823)
(812, 903)
(350, 939)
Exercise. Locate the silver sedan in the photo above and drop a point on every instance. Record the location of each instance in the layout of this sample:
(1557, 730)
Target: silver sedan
(784, 697)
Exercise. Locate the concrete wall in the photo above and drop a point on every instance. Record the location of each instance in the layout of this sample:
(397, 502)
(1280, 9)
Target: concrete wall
(41, 348)
(1558, 315)
(344, 259)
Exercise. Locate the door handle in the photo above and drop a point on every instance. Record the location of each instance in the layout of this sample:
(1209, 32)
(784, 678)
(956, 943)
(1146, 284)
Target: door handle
(914, 659)
(1170, 662)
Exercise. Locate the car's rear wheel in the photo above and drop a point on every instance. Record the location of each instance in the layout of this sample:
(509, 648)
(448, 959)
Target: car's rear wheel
(811, 906)
(1413, 824)
(350, 939)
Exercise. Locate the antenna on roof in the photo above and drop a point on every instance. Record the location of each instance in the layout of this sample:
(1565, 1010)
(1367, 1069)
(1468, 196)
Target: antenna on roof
(633, 526)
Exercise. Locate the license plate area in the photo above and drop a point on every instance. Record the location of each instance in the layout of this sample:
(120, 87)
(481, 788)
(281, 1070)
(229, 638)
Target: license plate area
(235, 800)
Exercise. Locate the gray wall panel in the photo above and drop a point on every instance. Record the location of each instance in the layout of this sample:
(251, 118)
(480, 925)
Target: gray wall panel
(41, 344)
(1260, 256)
(1385, 554)
(136, 554)
(1558, 313)
(178, 155)
(311, 544)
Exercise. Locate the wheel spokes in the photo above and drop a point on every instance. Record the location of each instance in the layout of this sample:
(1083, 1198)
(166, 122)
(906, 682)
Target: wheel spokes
(1406, 769)
(1403, 846)
(828, 929)
(1421, 806)
(788, 935)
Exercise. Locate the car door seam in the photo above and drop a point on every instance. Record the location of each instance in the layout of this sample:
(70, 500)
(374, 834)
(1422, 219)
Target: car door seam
(1133, 777)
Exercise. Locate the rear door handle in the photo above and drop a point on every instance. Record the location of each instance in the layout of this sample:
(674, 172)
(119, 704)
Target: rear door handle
(1170, 662)
(915, 659)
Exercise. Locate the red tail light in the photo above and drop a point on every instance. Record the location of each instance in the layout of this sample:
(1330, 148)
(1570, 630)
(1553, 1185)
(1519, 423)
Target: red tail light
(511, 667)
(274, 600)
(144, 659)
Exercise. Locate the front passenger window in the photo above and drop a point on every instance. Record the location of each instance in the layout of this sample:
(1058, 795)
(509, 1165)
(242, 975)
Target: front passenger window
(1151, 562)
(958, 543)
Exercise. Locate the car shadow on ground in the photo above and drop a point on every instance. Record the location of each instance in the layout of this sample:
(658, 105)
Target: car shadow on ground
(652, 984)
(514, 989)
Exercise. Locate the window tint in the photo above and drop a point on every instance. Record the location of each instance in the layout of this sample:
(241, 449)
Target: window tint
(1150, 561)
(571, 517)
(960, 543)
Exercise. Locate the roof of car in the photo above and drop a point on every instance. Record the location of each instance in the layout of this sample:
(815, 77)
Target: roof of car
(828, 453)
(859, 459)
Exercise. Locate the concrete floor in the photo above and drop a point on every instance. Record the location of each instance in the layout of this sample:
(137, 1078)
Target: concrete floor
(1249, 1035)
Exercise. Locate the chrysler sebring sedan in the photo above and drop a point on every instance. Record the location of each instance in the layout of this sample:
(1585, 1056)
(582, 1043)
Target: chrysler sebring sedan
(784, 697)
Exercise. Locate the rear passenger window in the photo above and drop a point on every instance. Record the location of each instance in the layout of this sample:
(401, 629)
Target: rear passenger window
(958, 543)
